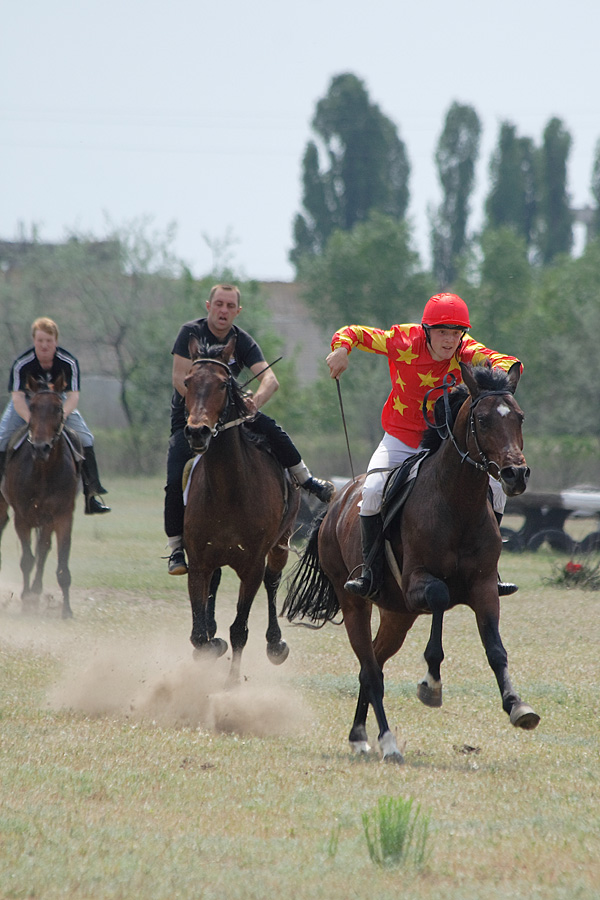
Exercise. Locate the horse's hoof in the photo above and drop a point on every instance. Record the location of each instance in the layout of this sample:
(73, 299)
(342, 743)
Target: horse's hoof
(428, 695)
(67, 613)
(522, 716)
(361, 748)
(278, 652)
(389, 749)
(396, 758)
(213, 649)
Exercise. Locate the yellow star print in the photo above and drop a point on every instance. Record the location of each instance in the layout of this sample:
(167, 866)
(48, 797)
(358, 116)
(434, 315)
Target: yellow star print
(407, 356)
(401, 382)
(428, 380)
(399, 406)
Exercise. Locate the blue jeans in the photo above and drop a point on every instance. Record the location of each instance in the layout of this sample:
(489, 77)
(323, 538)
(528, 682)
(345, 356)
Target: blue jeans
(11, 421)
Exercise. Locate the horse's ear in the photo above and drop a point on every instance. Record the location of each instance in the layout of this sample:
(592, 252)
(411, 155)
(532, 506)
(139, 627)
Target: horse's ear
(60, 383)
(229, 349)
(194, 347)
(514, 374)
(33, 384)
(469, 380)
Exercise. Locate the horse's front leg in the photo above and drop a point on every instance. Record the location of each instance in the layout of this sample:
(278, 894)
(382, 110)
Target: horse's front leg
(357, 621)
(211, 621)
(3, 514)
(63, 574)
(238, 633)
(201, 637)
(277, 649)
(42, 549)
(424, 591)
(521, 715)
(27, 557)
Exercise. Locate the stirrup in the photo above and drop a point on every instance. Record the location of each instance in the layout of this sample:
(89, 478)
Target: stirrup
(94, 505)
(363, 586)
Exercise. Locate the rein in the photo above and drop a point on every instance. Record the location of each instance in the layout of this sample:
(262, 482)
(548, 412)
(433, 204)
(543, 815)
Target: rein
(445, 431)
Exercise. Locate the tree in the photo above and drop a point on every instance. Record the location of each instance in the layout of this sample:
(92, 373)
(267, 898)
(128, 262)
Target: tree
(456, 157)
(504, 291)
(370, 275)
(512, 200)
(367, 167)
(595, 187)
(556, 223)
(561, 335)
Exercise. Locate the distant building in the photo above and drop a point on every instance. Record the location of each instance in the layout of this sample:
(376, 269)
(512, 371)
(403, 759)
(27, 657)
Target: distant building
(292, 321)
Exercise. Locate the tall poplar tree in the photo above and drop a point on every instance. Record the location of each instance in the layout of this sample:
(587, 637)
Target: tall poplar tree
(456, 157)
(366, 167)
(556, 221)
(595, 188)
(512, 200)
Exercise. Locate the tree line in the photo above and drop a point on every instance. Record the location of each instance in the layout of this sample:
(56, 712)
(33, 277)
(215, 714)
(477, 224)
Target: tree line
(119, 299)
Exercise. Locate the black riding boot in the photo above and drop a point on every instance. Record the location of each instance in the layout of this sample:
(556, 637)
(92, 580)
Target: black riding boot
(505, 588)
(91, 484)
(2, 463)
(367, 585)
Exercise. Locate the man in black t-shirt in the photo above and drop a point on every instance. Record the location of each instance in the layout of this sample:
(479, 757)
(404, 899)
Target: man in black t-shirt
(223, 306)
(44, 362)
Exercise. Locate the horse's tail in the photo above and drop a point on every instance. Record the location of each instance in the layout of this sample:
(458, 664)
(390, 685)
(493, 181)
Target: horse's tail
(311, 594)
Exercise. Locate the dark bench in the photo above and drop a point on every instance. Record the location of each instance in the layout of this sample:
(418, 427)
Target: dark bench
(545, 515)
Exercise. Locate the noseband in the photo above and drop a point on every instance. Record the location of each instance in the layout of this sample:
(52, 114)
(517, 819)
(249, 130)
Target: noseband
(445, 430)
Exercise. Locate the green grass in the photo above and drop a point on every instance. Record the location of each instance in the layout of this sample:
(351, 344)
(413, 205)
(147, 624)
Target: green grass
(127, 771)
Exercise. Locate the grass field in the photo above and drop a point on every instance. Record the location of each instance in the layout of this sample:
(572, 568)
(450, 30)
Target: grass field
(127, 771)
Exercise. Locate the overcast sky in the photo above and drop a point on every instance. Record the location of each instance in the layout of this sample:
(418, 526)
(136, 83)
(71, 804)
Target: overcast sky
(198, 111)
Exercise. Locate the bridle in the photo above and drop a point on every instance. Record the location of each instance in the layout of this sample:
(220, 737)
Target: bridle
(222, 424)
(445, 430)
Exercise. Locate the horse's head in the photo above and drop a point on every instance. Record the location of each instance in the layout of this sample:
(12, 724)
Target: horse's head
(494, 419)
(46, 415)
(210, 392)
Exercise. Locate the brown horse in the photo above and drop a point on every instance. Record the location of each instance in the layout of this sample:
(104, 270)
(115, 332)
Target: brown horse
(444, 545)
(40, 484)
(240, 509)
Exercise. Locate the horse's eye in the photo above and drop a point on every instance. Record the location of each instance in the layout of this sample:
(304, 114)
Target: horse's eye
(483, 421)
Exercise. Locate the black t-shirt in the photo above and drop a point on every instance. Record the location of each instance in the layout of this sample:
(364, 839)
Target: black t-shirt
(247, 352)
(27, 364)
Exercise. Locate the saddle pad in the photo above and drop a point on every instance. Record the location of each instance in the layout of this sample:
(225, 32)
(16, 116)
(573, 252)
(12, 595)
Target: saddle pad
(399, 485)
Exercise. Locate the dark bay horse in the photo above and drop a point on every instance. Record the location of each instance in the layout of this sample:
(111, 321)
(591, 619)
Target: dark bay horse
(240, 509)
(40, 484)
(445, 546)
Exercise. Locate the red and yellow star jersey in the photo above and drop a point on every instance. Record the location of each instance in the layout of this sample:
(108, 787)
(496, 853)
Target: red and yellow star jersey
(413, 371)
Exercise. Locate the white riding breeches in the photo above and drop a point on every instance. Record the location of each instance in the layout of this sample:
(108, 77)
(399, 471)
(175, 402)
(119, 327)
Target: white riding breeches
(391, 453)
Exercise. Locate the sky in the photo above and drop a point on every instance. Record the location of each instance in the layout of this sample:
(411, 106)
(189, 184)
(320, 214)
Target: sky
(197, 112)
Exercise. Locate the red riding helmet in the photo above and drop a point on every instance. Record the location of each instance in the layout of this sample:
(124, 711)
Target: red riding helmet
(446, 310)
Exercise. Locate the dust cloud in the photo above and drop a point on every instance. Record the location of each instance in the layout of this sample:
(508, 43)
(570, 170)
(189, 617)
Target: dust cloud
(156, 679)
(156, 684)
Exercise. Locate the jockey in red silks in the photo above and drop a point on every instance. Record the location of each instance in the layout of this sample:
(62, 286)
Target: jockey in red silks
(419, 358)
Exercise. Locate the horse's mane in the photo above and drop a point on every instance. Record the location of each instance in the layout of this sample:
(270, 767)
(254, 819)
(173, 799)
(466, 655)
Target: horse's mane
(238, 395)
(487, 378)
